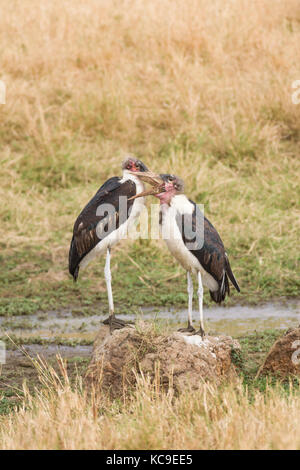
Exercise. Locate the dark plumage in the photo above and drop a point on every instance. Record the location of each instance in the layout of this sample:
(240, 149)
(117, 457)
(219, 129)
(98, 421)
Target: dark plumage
(88, 232)
(194, 242)
(211, 255)
(106, 219)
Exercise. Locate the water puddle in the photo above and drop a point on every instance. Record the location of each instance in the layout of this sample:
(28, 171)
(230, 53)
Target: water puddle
(237, 320)
(240, 319)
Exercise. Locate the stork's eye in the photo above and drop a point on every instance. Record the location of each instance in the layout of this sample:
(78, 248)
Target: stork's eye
(171, 179)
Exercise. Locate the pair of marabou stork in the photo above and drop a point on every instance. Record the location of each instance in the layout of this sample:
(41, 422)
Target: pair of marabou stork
(105, 220)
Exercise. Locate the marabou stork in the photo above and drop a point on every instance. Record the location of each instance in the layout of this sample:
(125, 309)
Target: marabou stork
(104, 221)
(203, 255)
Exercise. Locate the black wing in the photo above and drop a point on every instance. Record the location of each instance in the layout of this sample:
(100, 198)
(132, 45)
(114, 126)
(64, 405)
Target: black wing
(90, 228)
(209, 251)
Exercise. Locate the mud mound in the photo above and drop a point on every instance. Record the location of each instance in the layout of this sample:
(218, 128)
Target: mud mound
(283, 358)
(182, 362)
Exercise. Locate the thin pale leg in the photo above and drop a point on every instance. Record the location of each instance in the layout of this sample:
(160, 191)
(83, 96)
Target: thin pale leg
(190, 293)
(200, 298)
(107, 274)
(190, 327)
(113, 322)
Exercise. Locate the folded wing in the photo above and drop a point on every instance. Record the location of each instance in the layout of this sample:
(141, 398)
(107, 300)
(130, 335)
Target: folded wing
(206, 245)
(90, 228)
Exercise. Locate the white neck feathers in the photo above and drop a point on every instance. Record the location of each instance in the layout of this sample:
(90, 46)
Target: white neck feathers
(181, 203)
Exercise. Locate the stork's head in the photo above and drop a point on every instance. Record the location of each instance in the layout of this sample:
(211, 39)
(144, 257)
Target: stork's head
(171, 187)
(173, 184)
(133, 165)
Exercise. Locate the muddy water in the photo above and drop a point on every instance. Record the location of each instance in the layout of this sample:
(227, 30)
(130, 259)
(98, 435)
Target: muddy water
(237, 320)
(59, 328)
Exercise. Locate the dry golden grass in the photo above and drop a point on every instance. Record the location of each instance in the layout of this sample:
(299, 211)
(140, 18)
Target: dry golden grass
(131, 70)
(62, 417)
(86, 81)
(202, 89)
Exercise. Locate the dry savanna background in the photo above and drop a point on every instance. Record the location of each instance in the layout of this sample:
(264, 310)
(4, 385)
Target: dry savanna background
(200, 89)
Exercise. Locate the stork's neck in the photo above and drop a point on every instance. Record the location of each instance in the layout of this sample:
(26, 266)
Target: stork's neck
(181, 203)
(166, 197)
(178, 202)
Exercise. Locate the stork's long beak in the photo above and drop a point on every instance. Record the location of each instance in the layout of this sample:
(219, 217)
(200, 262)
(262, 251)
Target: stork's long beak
(157, 183)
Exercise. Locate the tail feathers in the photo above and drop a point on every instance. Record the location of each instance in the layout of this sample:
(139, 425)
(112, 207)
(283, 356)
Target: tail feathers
(75, 275)
(219, 295)
(216, 296)
(231, 276)
(73, 260)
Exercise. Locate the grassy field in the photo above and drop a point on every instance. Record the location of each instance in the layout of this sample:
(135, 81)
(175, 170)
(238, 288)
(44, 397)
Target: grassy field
(200, 89)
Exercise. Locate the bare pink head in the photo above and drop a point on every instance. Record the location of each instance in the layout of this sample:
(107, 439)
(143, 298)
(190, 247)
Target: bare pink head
(173, 186)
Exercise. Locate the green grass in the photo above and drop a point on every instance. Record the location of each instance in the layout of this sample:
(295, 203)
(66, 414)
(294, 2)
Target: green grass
(248, 190)
(158, 282)
(252, 203)
(15, 341)
(8, 401)
(254, 348)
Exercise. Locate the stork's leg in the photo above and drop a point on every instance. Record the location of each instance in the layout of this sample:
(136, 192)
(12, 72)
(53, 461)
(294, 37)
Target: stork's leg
(113, 322)
(190, 328)
(107, 273)
(200, 298)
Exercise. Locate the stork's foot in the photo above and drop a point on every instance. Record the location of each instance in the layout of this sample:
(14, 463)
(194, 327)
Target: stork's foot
(188, 329)
(200, 332)
(116, 323)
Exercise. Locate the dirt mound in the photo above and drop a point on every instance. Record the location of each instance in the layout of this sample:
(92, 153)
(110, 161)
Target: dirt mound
(283, 358)
(177, 360)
